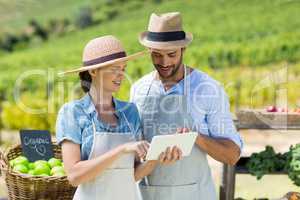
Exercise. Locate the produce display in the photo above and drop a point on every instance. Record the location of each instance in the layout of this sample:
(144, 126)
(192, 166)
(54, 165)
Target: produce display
(294, 164)
(275, 109)
(292, 196)
(268, 161)
(270, 117)
(52, 167)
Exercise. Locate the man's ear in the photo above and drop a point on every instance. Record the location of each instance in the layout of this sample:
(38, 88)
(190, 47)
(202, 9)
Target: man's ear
(183, 49)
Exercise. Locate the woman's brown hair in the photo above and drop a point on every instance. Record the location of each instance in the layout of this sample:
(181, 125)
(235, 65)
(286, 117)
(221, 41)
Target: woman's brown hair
(85, 81)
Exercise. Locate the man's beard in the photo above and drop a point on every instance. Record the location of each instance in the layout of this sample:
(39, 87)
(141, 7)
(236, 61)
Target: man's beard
(174, 68)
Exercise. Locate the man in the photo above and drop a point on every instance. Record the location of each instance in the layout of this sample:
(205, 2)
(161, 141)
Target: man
(177, 98)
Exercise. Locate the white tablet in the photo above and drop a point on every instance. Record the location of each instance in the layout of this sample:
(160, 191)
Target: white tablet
(160, 143)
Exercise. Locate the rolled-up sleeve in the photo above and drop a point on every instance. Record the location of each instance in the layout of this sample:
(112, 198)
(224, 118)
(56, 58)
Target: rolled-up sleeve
(67, 126)
(219, 119)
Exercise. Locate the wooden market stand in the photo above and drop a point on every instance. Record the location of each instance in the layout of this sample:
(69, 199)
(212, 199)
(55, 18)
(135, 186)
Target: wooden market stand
(227, 186)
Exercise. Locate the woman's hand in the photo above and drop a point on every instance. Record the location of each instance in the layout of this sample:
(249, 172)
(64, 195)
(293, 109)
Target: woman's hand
(139, 148)
(170, 156)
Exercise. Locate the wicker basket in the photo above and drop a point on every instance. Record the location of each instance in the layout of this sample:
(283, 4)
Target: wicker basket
(23, 186)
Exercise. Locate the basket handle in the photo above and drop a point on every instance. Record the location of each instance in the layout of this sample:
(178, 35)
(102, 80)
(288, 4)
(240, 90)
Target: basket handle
(3, 159)
(3, 162)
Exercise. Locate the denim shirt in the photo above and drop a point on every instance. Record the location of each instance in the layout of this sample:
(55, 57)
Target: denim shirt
(75, 122)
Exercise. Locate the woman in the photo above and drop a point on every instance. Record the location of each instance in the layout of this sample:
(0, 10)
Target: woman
(98, 133)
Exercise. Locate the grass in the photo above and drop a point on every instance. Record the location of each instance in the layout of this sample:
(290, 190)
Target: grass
(15, 14)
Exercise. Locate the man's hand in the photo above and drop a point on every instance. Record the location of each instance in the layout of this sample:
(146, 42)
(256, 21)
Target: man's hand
(170, 156)
(223, 150)
(183, 130)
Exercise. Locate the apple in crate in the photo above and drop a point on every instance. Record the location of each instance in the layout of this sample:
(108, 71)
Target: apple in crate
(58, 171)
(272, 109)
(53, 162)
(41, 168)
(283, 110)
(20, 168)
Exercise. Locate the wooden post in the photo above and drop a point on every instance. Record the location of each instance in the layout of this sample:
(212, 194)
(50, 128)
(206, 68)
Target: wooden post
(227, 183)
(238, 86)
(227, 186)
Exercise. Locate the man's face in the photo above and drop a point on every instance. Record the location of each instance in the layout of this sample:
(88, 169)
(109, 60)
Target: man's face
(167, 62)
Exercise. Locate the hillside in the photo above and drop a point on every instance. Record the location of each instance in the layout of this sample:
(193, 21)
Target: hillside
(236, 41)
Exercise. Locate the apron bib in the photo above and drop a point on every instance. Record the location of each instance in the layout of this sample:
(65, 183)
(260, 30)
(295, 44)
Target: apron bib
(117, 181)
(189, 178)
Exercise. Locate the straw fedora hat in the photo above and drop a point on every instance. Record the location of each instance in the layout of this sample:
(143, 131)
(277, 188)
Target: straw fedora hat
(165, 32)
(101, 52)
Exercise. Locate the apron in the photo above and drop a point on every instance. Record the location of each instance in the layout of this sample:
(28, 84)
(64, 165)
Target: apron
(117, 181)
(189, 178)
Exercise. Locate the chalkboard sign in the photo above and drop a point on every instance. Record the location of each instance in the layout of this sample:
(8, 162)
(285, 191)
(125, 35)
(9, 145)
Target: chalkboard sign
(36, 144)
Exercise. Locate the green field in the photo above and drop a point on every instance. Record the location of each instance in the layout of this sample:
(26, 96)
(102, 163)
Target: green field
(16, 14)
(236, 42)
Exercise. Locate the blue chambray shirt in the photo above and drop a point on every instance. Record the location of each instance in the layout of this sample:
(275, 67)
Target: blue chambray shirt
(208, 103)
(74, 122)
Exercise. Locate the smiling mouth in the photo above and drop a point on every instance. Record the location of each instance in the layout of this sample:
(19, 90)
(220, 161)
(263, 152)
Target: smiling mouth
(117, 83)
(164, 68)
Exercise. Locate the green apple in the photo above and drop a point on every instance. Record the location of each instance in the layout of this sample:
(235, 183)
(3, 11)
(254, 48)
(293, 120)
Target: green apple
(41, 168)
(57, 169)
(21, 168)
(59, 174)
(38, 162)
(53, 162)
(31, 166)
(21, 160)
(31, 172)
(43, 175)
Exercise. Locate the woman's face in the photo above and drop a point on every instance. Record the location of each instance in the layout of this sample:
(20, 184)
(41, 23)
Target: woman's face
(109, 78)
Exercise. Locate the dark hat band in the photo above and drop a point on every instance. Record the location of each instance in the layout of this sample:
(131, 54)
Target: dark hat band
(104, 59)
(165, 36)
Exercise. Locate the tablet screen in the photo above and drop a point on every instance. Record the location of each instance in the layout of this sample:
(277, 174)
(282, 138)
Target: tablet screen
(160, 143)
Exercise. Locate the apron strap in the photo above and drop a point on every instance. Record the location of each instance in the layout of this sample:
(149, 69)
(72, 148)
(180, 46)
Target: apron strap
(128, 124)
(94, 137)
(94, 128)
(149, 88)
(187, 86)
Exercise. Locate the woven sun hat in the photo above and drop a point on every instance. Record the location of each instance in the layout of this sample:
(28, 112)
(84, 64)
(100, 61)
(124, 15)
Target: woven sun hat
(101, 52)
(165, 32)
